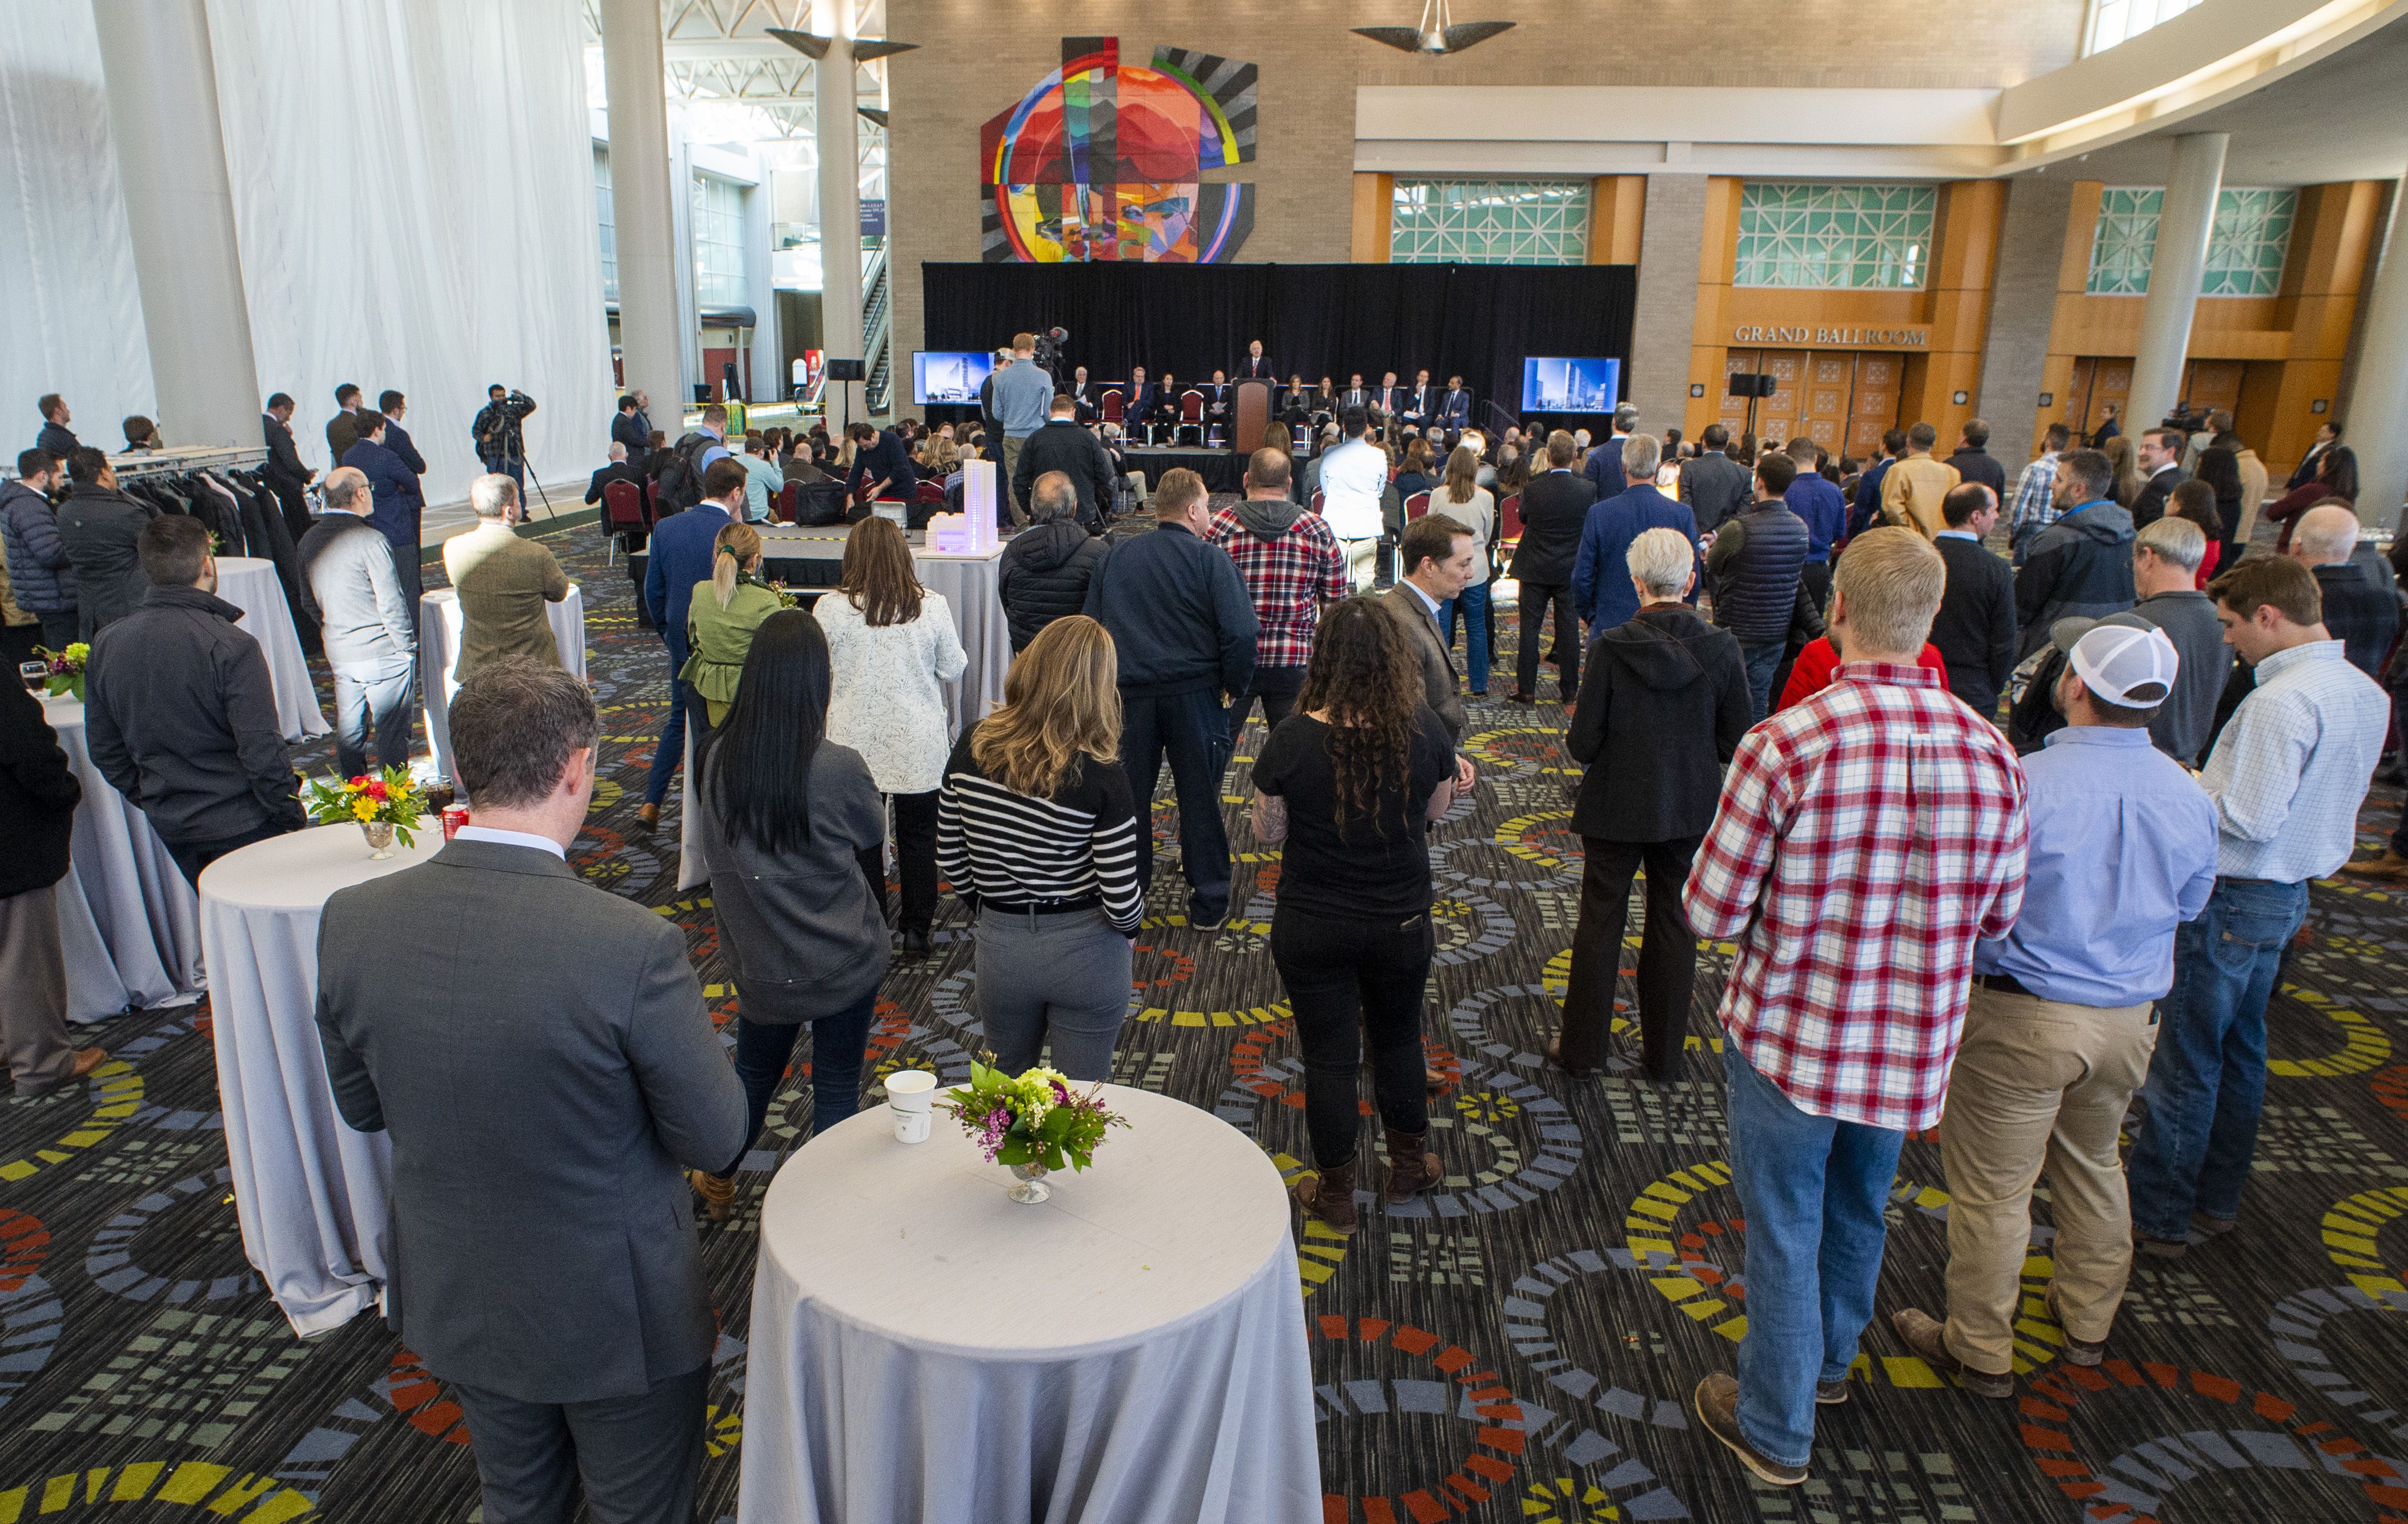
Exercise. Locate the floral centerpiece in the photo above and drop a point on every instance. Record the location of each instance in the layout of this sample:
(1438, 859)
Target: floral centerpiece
(385, 807)
(66, 668)
(1036, 1124)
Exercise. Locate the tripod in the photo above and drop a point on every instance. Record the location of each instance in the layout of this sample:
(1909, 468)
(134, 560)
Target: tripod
(514, 454)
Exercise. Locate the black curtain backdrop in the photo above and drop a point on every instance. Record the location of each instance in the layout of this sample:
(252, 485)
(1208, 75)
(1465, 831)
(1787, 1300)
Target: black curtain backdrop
(1476, 321)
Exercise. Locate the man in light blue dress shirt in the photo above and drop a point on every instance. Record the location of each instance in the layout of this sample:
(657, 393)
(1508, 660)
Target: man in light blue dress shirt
(2286, 780)
(2061, 1024)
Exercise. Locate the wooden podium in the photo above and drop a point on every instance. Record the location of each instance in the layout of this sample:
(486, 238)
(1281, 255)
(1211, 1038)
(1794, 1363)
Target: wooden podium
(1253, 413)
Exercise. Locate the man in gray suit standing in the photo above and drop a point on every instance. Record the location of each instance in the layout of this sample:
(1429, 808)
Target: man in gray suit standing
(539, 1050)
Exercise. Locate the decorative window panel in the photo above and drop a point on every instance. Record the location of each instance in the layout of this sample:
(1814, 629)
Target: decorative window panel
(604, 216)
(2246, 244)
(1479, 222)
(1835, 238)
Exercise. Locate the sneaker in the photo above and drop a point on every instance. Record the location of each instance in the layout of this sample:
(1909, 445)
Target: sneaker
(2083, 1352)
(1927, 1338)
(916, 944)
(1204, 918)
(1717, 1400)
(2159, 1248)
(1831, 1393)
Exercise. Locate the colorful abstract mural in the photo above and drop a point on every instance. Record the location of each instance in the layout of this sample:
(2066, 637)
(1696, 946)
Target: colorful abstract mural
(1105, 161)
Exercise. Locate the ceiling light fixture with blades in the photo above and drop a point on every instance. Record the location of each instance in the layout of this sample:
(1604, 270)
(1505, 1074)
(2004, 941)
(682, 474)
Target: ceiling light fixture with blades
(1435, 33)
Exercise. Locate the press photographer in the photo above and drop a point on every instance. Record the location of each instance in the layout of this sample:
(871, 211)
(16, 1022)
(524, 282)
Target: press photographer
(501, 444)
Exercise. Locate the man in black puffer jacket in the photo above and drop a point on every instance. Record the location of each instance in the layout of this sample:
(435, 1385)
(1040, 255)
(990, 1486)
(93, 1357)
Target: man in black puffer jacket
(1063, 446)
(1046, 568)
(1758, 556)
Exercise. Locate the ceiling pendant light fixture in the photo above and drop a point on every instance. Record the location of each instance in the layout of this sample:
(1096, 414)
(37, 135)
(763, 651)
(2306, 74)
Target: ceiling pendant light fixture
(1435, 34)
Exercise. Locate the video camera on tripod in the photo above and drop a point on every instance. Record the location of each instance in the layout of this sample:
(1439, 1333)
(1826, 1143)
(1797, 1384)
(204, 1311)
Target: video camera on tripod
(1049, 352)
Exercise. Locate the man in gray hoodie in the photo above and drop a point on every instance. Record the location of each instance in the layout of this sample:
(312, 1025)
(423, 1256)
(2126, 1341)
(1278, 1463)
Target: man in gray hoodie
(2082, 563)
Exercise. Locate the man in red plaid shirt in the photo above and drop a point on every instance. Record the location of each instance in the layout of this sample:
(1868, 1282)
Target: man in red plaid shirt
(1866, 840)
(1291, 565)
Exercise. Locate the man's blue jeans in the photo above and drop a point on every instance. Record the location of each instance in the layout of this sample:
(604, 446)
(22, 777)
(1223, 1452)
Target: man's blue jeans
(2207, 1079)
(1192, 730)
(1472, 603)
(1762, 663)
(513, 467)
(1813, 1189)
(671, 752)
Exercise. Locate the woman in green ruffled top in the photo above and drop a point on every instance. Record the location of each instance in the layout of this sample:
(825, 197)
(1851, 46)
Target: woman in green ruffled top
(720, 626)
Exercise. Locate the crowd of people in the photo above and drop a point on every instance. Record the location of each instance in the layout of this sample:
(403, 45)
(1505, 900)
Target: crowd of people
(2002, 842)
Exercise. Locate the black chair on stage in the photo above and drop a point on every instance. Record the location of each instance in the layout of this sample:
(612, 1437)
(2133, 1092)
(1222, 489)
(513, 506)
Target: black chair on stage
(1191, 420)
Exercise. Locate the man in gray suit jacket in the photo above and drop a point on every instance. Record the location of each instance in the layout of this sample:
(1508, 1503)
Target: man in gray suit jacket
(1714, 485)
(539, 1053)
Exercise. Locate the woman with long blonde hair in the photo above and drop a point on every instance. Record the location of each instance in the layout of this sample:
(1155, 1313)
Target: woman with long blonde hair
(2127, 465)
(1037, 829)
(891, 646)
(720, 622)
(1460, 497)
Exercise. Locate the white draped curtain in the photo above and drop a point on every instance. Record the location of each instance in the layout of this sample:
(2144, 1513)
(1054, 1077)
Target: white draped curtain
(70, 313)
(414, 188)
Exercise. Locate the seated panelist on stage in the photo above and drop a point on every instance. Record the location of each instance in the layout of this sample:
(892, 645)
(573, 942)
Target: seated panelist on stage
(1084, 395)
(1390, 399)
(1145, 397)
(1217, 395)
(1421, 401)
(1256, 366)
(1454, 406)
(1356, 395)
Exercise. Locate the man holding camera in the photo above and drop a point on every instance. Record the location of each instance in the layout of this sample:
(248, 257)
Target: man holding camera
(500, 443)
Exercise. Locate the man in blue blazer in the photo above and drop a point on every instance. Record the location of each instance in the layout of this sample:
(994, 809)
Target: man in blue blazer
(399, 503)
(680, 552)
(393, 405)
(1454, 406)
(1601, 590)
(1145, 399)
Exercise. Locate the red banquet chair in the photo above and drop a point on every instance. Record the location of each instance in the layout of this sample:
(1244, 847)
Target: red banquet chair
(783, 507)
(1416, 506)
(1317, 495)
(1191, 417)
(1115, 404)
(930, 492)
(1508, 521)
(651, 500)
(622, 515)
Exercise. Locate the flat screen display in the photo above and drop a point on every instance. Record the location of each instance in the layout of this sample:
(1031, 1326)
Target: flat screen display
(942, 375)
(1555, 384)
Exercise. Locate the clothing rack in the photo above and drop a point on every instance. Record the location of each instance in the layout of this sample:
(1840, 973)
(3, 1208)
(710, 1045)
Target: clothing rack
(224, 457)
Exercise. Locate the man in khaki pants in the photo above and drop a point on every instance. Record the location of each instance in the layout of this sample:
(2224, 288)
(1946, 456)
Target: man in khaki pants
(2061, 1023)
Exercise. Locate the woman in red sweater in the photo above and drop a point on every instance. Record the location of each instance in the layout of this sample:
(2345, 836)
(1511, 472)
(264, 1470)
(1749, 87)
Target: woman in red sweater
(1819, 663)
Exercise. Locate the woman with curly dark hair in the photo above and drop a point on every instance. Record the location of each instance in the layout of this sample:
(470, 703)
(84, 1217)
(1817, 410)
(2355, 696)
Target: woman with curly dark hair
(1350, 782)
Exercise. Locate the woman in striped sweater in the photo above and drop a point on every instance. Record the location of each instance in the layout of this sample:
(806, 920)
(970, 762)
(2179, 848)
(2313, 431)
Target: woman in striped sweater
(1035, 831)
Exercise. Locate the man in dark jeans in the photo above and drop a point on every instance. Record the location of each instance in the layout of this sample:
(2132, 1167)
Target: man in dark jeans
(179, 713)
(351, 589)
(1555, 509)
(1185, 629)
(1758, 559)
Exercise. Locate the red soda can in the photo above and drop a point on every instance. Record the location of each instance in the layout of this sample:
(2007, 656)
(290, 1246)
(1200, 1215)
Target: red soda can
(454, 816)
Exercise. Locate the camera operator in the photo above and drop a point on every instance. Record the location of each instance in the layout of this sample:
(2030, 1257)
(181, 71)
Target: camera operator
(500, 443)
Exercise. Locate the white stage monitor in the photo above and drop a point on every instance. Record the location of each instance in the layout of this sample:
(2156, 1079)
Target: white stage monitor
(1554, 385)
(949, 376)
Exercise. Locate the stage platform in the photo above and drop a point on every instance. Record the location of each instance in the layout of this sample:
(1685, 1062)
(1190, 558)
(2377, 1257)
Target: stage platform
(1223, 470)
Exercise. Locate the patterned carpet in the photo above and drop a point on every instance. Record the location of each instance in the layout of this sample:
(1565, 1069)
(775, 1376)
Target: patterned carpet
(1519, 1349)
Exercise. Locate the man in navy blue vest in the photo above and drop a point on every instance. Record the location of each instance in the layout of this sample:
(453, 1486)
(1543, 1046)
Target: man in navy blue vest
(1757, 558)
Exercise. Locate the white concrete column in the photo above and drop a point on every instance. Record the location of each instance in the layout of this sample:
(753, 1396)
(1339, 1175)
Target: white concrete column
(2175, 275)
(162, 109)
(651, 344)
(838, 131)
(2377, 426)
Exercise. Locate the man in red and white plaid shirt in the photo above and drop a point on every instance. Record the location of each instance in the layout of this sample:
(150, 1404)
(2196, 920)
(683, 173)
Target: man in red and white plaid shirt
(1291, 565)
(1866, 840)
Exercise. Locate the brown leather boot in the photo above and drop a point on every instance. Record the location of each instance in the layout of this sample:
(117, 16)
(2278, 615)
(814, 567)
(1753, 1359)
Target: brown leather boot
(1411, 1169)
(1329, 1196)
(648, 815)
(718, 1193)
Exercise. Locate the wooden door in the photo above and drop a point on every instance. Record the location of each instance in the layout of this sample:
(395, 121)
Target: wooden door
(1874, 409)
(2210, 384)
(1776, 416)
(1829, 390)
(1733, 411)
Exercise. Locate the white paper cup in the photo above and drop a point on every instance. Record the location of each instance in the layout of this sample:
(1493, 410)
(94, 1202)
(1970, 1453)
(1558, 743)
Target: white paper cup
(909, 1095)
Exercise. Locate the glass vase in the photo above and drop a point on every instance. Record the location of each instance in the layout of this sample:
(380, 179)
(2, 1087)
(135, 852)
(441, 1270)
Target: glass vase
(379, 834)
(1032, 1187)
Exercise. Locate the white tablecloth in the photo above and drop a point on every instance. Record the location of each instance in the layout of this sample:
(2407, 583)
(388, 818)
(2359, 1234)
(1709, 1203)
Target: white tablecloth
(971, 589)
(127, 919)
(310, 1193)
(439, 652)
(249, 585)
(1132, 1351)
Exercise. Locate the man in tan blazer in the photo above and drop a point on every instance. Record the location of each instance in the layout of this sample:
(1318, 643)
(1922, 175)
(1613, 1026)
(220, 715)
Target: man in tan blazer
(504, 583)
(1913, 488)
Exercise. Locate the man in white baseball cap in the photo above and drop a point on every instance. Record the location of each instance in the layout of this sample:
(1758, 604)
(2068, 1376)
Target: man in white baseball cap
(2061, 1025)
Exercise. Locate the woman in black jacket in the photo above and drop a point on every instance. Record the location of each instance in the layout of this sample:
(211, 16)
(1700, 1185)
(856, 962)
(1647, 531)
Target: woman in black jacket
(782, 814)
(1663, 704)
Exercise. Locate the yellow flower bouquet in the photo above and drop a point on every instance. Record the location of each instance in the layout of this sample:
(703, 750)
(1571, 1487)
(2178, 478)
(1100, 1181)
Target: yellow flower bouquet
(385, 807)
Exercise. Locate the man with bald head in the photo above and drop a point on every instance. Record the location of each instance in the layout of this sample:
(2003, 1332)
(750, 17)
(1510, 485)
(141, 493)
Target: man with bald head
(2360, 610)
(352, 587)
